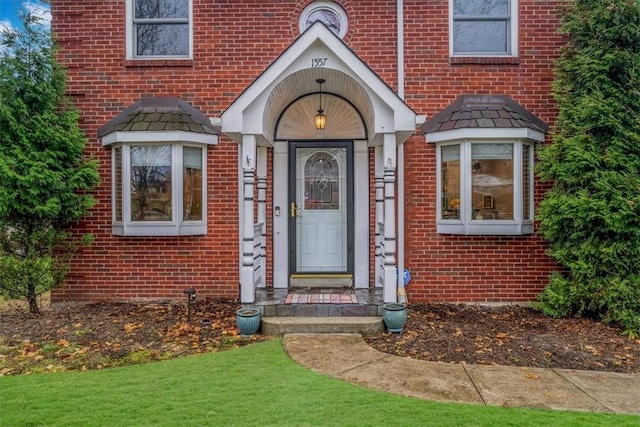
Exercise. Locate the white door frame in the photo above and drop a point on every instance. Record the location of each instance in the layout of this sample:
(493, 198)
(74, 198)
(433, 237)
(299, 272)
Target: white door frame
(360, 210)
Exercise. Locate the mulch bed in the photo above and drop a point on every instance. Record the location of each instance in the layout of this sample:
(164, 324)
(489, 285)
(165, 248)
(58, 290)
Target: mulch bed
(512, 336)
(102, 335)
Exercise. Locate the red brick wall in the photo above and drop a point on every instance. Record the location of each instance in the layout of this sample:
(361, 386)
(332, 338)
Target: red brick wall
(234, 41)
(471, 268)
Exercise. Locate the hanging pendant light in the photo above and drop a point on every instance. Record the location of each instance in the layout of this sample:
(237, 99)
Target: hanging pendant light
(320, 117)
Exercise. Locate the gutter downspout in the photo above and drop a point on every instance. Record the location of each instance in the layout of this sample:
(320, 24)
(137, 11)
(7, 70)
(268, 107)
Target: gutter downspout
(402, 297)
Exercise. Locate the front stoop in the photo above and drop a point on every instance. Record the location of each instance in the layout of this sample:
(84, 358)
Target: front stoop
(278, 326)
(321, 310)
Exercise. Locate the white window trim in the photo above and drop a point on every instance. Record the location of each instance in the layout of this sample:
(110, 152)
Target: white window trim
(319, 5)
(131, 40)
(177, 226)
(513, 35)
(466, 224)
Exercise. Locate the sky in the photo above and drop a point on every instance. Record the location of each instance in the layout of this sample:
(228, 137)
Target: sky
(9, 11)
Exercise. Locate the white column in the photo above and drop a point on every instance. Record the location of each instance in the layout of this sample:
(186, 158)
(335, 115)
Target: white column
(361, 210)
(248, 161)
(390, 268)
(262, 209)
(280, 216)
(379, 214)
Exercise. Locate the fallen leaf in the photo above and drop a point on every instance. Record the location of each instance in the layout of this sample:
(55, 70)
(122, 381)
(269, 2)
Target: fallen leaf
(130, 327)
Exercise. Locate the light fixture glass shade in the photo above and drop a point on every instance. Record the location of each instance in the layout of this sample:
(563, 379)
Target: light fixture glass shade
(321, 120)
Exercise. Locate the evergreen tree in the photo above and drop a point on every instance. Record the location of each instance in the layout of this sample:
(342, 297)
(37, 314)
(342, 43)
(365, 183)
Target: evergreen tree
(42, 171)
(591, 216)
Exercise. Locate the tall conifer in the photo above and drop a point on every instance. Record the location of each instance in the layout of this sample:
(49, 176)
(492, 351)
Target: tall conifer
(43, 174)
(591, 216)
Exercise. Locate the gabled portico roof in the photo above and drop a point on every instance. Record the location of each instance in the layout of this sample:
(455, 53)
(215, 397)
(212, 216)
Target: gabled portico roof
(317, 53)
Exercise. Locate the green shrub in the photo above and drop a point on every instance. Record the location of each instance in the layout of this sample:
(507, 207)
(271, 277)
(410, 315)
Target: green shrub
(27, 278)
(591, 215)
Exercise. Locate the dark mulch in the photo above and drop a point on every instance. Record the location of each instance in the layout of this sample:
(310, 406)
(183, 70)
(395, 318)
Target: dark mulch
(96, 336)
(510, 335)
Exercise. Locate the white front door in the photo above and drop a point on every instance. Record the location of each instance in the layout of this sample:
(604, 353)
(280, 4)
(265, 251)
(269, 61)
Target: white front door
(319, 209)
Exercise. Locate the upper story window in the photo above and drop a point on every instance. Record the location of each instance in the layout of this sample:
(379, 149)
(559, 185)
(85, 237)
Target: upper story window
(329, 13)
(483, 27)
(159, 29)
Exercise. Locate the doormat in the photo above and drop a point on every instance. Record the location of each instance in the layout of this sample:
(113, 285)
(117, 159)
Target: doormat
(321, 299)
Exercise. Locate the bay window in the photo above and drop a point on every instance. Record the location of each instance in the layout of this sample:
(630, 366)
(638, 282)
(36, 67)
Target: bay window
(484, 163)
(485, 187)
(159, 189)
(158, 167)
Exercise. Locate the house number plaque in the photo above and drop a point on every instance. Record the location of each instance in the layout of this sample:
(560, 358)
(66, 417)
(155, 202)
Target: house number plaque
(318, 62)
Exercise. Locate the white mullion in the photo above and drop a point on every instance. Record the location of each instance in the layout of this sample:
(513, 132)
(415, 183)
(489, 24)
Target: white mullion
(126, 184)
(465, 183)
(176, 185)
(203, 196)
(518, 212)
(159, 21)
(531, 182)
(438, 182)
(114, 179)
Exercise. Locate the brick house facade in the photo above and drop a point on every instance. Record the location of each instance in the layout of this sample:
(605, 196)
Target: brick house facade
(429, 147)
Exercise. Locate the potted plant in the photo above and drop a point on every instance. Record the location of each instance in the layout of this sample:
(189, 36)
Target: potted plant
(248, 320)
(394, 316)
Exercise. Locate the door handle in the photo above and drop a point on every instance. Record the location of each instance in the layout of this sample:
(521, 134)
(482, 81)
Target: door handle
(295, 210)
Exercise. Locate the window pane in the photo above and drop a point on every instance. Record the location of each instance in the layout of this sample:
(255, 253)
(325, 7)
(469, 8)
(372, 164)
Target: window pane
(162, 39)
(450, 181)
(117, 182)
(327, 17)
(153, 9)
(480, 37)
(321, 182)
(481, 7)
(526, 182)
(492, 181)
(192, 183)
(151, 183)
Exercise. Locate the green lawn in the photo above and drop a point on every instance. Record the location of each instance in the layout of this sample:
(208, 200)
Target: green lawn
(254, 385)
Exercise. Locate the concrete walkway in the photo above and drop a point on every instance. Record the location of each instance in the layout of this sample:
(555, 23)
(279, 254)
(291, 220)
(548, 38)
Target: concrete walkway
(350, 358)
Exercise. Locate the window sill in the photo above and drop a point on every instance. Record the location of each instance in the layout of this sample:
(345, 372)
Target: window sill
(484, 60)
(158, 62)
(155, 230)
(498, 228)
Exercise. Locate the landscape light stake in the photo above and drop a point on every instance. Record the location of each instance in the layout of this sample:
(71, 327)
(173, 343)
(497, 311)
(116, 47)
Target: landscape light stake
(191, 298)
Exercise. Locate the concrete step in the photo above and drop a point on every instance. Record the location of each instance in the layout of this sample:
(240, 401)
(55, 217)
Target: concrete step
(277, 326)
(322, 310)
